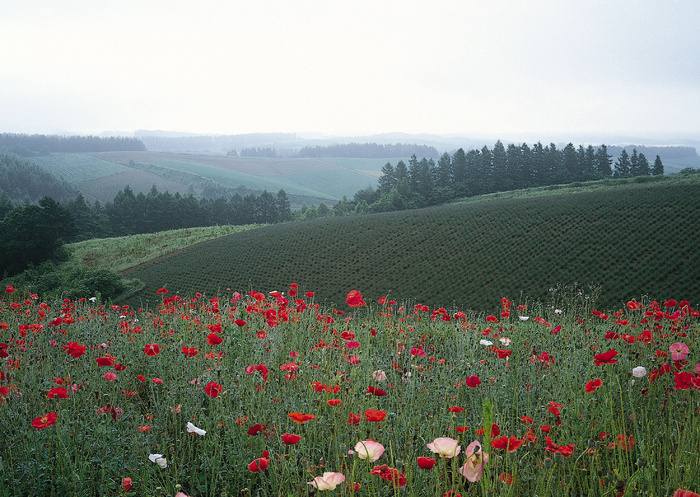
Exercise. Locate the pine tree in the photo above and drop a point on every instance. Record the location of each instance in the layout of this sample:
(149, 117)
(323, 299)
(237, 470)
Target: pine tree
(387, 180)
(658, 167)
(644, 169)
(622, 165)
(603, 162)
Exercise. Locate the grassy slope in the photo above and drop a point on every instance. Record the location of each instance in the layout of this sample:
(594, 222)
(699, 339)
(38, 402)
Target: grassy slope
(636, 239)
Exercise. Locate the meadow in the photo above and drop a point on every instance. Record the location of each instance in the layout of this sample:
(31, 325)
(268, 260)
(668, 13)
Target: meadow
(273, 394)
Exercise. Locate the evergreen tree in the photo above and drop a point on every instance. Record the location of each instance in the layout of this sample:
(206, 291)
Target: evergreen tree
(387, 180)
(622, 165)
(644, 169)
(443, 171)
(284, 210)
(658, 167)
(634, 163)
(401, 172)
(603, 162)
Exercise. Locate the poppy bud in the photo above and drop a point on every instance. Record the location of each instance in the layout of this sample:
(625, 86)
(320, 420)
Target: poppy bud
(126, 484)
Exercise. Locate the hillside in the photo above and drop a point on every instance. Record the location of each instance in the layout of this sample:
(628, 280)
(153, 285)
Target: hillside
(99, 176)
(614, 244)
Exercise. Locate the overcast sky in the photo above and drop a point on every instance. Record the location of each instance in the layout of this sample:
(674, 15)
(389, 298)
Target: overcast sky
(351, 67)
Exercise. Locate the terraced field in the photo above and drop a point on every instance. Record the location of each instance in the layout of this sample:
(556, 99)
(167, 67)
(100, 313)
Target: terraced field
(614, 244)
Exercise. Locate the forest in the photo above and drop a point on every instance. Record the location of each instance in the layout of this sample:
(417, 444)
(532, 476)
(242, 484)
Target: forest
(28, 145)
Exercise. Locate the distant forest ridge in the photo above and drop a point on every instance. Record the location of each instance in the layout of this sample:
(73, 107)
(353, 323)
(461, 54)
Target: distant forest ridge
(29, 145)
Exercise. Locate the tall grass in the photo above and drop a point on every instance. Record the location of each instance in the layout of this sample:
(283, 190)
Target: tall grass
(285, 353)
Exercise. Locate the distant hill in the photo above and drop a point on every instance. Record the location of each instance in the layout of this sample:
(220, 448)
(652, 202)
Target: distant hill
(630, 239)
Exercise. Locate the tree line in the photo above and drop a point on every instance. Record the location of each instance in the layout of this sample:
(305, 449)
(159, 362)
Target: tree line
(28, 145)
(369, 150)
(425, 182)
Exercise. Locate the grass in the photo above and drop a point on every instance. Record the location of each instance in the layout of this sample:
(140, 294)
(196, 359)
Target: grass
(284, 353)
(609, 241)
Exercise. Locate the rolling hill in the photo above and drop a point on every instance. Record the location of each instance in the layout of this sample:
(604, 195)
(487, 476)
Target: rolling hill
(601, 246)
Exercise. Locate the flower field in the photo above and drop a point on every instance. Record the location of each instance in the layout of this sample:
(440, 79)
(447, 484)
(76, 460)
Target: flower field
(276, 395)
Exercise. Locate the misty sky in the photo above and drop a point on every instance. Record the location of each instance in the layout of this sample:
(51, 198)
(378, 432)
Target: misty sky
(351, 67)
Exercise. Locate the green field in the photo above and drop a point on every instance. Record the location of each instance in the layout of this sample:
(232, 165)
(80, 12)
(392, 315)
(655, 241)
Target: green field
(611, 244)
(99, 176)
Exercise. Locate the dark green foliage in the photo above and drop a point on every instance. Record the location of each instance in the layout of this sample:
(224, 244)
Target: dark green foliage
(22, 180)
(43, 144)
(625, 240)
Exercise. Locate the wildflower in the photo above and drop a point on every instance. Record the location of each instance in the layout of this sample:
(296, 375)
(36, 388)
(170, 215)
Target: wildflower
(679, 351)
(261, 463)
(45, 421)
(144, 428)
(300, 418)
(159, 460)
(157, 381)
(189, 351)
(473, 381)
(375, 391)
(374, 415)
(510, 444)
(57, 392)
(333, 402)
(290, 439)
(379, 375)
(151, 349)
(126, 484)
(390, 474)
(214, 339)
(565, 450)
(369, 449)
(328, 481)
(213, 389)
(354, 419)
(639, 372)
(445, 447)
(110, 377)
(485, 343)
(455, 409)
(526, 419)
(523, 318)
(74, 349)
(685, 493)
(193, 429)
(473, 469)
(605, 358)
(354, 299)
(104, 361)
(593, 385)
(425, 462)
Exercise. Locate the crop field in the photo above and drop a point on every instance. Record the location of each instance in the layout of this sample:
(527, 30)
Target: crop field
(274, 394)
(605, 245)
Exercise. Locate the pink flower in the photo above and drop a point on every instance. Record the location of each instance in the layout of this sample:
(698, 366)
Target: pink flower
(328, 481)
(110, 377)
(369, 449)
(445, 447)
(157, 381)
(679, 351)
(379, 375)
(473, 470)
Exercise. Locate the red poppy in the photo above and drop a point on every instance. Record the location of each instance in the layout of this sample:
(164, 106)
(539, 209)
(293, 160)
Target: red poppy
(473, 381)
(374, 415)
(290, 439)
(504, 354)
(529, 436)
(126, 484)
(685, 493)
(605, 358)
(213, 389)
(462, 429)
(214, 339)
(189, 351)
(495, 430)
(162, 291)
(354, 419)
(151, 349)
(506, 478)
(9, 289)
(624, 442)
(240, 322)
(255, 429)
(425, 462)
(491, 319)
(545, 428)
(354, 299)
(300, 418)
(333, 402)
(45, 421)
(74, 349)
(390, 474)
(456, 409)
(510, 444)
(259, 464)
(594, 385)
(526, 419)
(57, 392)
(554, 408)
(104, 361)
(376, 391)
(564, 450)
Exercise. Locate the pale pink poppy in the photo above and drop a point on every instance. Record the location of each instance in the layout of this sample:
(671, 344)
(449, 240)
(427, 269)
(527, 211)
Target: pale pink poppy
(473, 470)
(445, 447)
(379, 375)
(369, 449)
(328, 481)
(679, 351)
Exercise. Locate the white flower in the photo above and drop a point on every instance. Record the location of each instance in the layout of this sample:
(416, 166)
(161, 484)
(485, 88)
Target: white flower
(505, 341)
(193, 429)
(523, 318)
(558, 311)
(485, 343)
(639, 372)
(92, 299)
(159, 460)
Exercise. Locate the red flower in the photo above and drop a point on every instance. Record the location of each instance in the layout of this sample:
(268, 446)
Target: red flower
(214, 339)
(152, 349)
(511, 444)
(9, 289)
(456, 409)
(259, 464)
(426, 462)
(300, 418)
(104, 361)
(545, 428)
(605, 358)
(504, 354)
(354, 299)
(213, 389)
(374, 415)
(554, 408)
(240, 322)
(162, 290)
(189, 351)
(685, 493)
(333, 402)
(354, 419)
(473, 381)
(491, 319)
(390, 474)
(57, 392)
(376, 391)
(290, 439)
(564, 450)
(506, 478)
(526, 419)
(255, 429)
(594, 385)
(495, 430)
(45, 421)
(74, 349)
(126, 485)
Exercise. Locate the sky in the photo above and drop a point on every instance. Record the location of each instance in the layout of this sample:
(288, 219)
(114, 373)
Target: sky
(357, 67)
